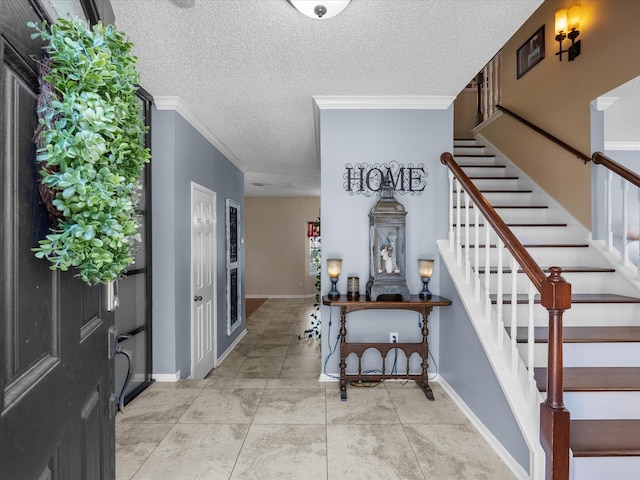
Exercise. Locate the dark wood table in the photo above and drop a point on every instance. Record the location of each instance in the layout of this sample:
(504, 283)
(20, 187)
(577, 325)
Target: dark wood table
(416, 304)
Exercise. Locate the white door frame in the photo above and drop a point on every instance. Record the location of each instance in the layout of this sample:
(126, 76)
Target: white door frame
(212, 291)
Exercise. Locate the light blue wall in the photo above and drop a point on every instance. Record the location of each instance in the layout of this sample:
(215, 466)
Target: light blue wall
(381, 136)
(464, 365)
(406, 136)
(181, 155)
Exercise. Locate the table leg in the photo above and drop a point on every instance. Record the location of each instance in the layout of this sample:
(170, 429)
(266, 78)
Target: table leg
(343, 353)
(426, 389)
(424, 381)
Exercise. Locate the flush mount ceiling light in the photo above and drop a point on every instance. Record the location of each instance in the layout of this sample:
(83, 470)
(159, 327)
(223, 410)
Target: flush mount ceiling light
(320, 9)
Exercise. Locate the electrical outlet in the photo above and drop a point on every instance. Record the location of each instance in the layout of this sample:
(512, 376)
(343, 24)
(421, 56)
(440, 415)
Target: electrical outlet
(393, 337)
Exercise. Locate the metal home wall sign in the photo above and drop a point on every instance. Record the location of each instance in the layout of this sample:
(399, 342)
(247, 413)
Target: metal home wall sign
(366, 179)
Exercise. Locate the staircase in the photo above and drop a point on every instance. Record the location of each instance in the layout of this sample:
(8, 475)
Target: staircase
(601, 330)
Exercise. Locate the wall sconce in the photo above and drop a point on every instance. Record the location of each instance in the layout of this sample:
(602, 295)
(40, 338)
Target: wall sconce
(320, 9)
(425, 267)
(568, 20)
(333, 269)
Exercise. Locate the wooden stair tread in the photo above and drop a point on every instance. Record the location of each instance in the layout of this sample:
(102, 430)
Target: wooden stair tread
(500, 190)
(594, 379)
(599, 334)
(480, 165)
(541, 245)
(472, 225)
(575, 298)
(493, 177)
(605, 438)
(547, 269)
(505, 191)
(509, 206)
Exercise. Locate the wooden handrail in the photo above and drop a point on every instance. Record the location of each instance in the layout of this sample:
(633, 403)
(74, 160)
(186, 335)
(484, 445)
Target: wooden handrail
(526, 262)
(600, 158)
(555, 296)
(544, 133)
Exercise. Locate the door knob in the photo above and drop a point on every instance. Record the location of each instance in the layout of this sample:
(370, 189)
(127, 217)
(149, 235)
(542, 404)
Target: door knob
(197, 298)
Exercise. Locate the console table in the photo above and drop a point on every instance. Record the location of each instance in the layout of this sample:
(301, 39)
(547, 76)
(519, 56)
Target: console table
(416, 304)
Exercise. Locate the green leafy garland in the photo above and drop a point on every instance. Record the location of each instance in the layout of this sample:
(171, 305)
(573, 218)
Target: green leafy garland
(314, 329)
(90, 144)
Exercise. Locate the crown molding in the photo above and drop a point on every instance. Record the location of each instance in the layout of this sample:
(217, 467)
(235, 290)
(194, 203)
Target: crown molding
(179, 106)
(387, 102)
(371, 102)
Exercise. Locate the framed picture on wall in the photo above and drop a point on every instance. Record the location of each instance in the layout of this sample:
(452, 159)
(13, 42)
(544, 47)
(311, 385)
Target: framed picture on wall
(234, 299)
(531, 52)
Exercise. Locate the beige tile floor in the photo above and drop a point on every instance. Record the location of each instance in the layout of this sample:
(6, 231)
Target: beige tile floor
(263, 415)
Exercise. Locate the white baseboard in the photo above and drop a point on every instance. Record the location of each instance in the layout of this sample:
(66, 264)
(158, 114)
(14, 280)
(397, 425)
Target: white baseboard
(328, 377)
(493, 442)
(306, 295)
(166, 377)
(231, 347)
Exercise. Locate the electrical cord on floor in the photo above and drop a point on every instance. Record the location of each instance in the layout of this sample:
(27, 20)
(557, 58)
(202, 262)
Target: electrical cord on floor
(331, 350)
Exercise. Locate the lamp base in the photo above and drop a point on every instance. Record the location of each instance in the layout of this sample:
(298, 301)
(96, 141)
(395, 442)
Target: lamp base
(425, 293)
(333, 294)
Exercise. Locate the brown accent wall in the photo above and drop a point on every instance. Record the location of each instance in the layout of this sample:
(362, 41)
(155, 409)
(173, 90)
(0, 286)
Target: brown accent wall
(276, 254)
(556, 95)
(465, 109)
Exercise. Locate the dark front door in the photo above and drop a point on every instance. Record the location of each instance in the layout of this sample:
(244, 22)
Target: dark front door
(56, 380)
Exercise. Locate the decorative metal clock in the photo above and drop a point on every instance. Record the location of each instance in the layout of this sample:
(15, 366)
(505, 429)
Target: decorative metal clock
(387, 261)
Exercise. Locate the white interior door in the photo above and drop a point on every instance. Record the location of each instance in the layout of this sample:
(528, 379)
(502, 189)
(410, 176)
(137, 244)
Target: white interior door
(203, 268)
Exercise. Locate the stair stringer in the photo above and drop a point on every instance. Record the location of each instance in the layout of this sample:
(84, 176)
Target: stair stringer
(519, 390)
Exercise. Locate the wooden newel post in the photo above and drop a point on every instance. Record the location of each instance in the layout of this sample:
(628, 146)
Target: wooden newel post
(554, 418)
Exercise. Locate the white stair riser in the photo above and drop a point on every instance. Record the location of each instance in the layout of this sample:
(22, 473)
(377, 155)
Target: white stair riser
(481, 171)
(502, 198)
(464, 141)
(545, 257)
(587, 354)
(580, 283)
(512, 215)
(580, 314)
(603, 405)
(497, 184)
(605, 468)
(529, 235)
(468, 150)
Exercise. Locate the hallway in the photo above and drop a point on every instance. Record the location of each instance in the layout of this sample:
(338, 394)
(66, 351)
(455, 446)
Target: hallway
(263, 415)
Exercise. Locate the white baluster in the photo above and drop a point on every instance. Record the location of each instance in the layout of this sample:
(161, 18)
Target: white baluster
(607, 189)
(625, 220)
(452, 183)
(458, 227)
(637, 232)
(497, 78)
(476, 257)
(514, 316)
(499, 301)
(467, 246)
(533, 388)
(487, 272)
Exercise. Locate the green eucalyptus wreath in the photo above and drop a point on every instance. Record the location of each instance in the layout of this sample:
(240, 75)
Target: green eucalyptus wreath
(90, 145)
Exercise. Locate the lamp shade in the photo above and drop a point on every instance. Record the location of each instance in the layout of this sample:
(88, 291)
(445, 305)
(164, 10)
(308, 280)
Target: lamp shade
(561, 20)
(573, 17)
(425, 267)
(333, 267)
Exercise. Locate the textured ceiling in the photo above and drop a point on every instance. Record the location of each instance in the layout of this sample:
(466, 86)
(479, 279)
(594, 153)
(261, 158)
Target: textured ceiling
(247, 70)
